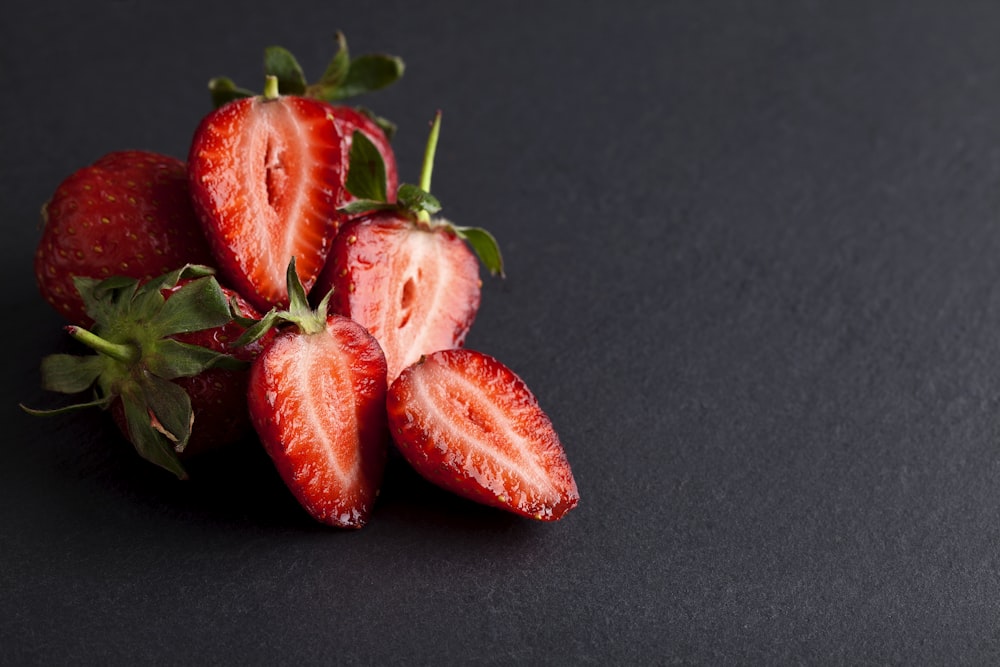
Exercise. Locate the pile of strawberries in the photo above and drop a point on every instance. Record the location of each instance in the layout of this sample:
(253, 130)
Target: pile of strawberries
(340, 325)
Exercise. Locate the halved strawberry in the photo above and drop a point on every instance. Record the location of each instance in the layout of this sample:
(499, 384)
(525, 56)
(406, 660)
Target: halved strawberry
(127, 214)
(467, 423)
(317, 401)
(409, 279)
(415, 287)
(266, 178)
(345, 77)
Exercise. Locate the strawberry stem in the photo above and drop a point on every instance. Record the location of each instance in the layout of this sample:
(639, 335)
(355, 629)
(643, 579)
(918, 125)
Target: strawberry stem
(128, 354)
(271, 87)
(428, 167)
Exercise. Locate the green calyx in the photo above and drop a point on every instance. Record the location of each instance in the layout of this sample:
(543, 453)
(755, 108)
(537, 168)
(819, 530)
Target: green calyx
(136, 357)
(298, 313)
(344, 77)
(366, 182)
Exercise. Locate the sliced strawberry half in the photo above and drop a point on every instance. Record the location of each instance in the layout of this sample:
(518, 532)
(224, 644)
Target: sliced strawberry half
(265, 177)
(345, 76)
(317, 401)
(410, 279)
(416, 288)
(469, 424)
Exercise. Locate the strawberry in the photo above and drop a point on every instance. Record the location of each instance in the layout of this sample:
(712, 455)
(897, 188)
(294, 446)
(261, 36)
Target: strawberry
(344, 77)
(410, 280)
(265, 176)
(161, 364)
(218, 395)
(128, 214)
(467, 423)
(317, 401)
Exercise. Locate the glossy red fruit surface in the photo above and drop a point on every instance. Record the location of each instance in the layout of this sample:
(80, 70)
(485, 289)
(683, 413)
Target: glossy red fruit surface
(416, 288)
(127, 214)
(467, 423)
(317, 402)
(266, 180)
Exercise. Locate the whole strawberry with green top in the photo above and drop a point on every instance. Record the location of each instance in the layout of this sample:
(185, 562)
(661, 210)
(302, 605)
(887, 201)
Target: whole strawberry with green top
(162, 362)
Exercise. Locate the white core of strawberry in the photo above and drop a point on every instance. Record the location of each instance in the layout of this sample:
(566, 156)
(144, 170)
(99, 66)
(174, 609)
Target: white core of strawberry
(275, 185)
(430, 283)
(427, 276)
(318, 407)
(469, 410)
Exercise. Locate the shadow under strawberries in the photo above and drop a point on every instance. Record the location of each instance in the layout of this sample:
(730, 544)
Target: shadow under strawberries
(238, 486)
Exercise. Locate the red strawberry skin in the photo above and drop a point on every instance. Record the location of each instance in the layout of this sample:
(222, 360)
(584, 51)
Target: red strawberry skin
(127, 214)
(266, 180)
(415, 288)
(467, 423)
(317, 402)
(218, 396)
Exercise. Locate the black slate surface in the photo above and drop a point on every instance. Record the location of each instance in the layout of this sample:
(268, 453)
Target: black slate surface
(753, 260)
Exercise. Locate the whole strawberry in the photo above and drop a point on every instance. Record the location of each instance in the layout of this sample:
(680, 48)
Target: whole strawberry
(161, 365)
(317, 401)
(218, 395)
(410, 279)
(469, 424)
(128, 214)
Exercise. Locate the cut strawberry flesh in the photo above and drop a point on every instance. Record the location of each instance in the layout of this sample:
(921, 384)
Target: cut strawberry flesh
(415, 289)
(318, 403)
(467, 423)
(266, 180)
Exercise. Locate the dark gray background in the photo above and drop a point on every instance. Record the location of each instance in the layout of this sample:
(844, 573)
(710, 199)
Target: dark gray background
(753, 257)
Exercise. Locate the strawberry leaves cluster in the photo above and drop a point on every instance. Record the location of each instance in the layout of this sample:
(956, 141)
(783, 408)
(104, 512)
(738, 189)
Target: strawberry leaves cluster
(366, 182)
(367, 297)
(136, 355)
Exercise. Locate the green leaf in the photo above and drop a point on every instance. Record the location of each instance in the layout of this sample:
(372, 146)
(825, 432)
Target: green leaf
(149, 442)
(199, 304)
(223, 91)
(169, 359)
(76, 407)
(148, 302)
(368, 73)
(485, 247)
(257, 330)
(415, 199)
(70, 374)
(336, 71)
(236, 314)
(299, 313)
(170, 406)
(359, 206)
(366, 173)
(280, 63)
(298, 303)
(102, 297)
